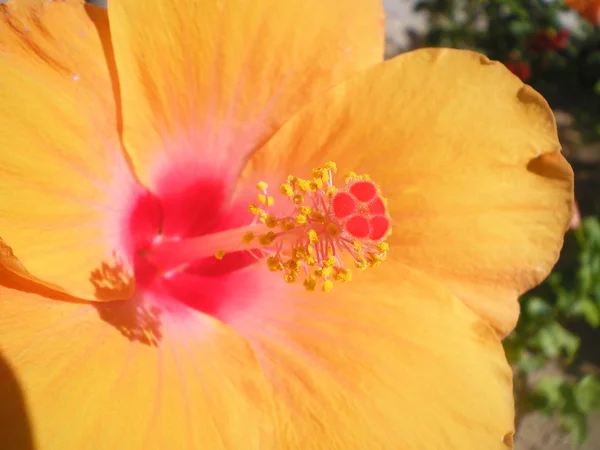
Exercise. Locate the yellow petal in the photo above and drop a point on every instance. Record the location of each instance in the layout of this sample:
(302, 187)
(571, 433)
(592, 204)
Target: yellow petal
(205, 81)
(64, 185)
(468, 157)
(388, 362)
(128, 375)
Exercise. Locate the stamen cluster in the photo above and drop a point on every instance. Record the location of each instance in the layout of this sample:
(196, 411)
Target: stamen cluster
(322, 227)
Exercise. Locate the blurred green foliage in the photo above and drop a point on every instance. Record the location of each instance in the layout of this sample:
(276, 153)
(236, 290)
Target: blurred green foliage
(559, 327)
(546, 332)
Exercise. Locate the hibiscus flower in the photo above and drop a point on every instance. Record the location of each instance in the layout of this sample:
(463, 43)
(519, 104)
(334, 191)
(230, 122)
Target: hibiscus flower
(196, 206)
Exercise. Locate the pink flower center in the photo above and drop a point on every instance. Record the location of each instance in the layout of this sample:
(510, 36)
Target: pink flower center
(192, 243)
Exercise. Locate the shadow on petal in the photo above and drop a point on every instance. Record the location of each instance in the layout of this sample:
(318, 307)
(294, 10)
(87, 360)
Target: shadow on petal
(15, 426)
(112, 281)
(551, 165)
(134, 320)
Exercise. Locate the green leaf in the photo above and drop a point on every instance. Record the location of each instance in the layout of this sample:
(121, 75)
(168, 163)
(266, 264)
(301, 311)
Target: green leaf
(530, 363)
(550, 390)
(566, 300)
(591, 228)
(555, 280)
(596, 293)
(587, 393)
(590, 312)
(537, 307)
(548, 342)
(584, 277)
(517, 8)
(577, 426)
(569, 342)
(554, 339)
(519, 28)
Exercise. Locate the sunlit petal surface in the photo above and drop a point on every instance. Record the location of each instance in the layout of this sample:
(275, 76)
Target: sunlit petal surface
(205, 81)
(129, 375)
(63, 179)
(469, 160)
(393, 361)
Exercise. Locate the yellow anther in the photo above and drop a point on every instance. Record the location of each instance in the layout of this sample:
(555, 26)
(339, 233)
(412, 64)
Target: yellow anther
(319, 216)
(315, 184)
(383, 247)
(302, 185)
(290, 277)
(306, 210)
(361, 263)
(343, 275)
(267, 239)
(326, 272)
(262, 186)
(374, 260)
(333, 229)
(292, 265)
(220, 254)
(310, 283)
(298, 199)
(330, 262)
(298, 254)
(321, 174)
(306, 239)
(286, 190)
(301, 219)
(253, 209)
(274, 264)
(271, 221)
(327, 286)
(287, 224)
(331, 191)
(350, 176)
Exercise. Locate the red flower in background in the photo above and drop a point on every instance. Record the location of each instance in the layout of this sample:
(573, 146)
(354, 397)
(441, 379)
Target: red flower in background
(549, 40)
(520, 69)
